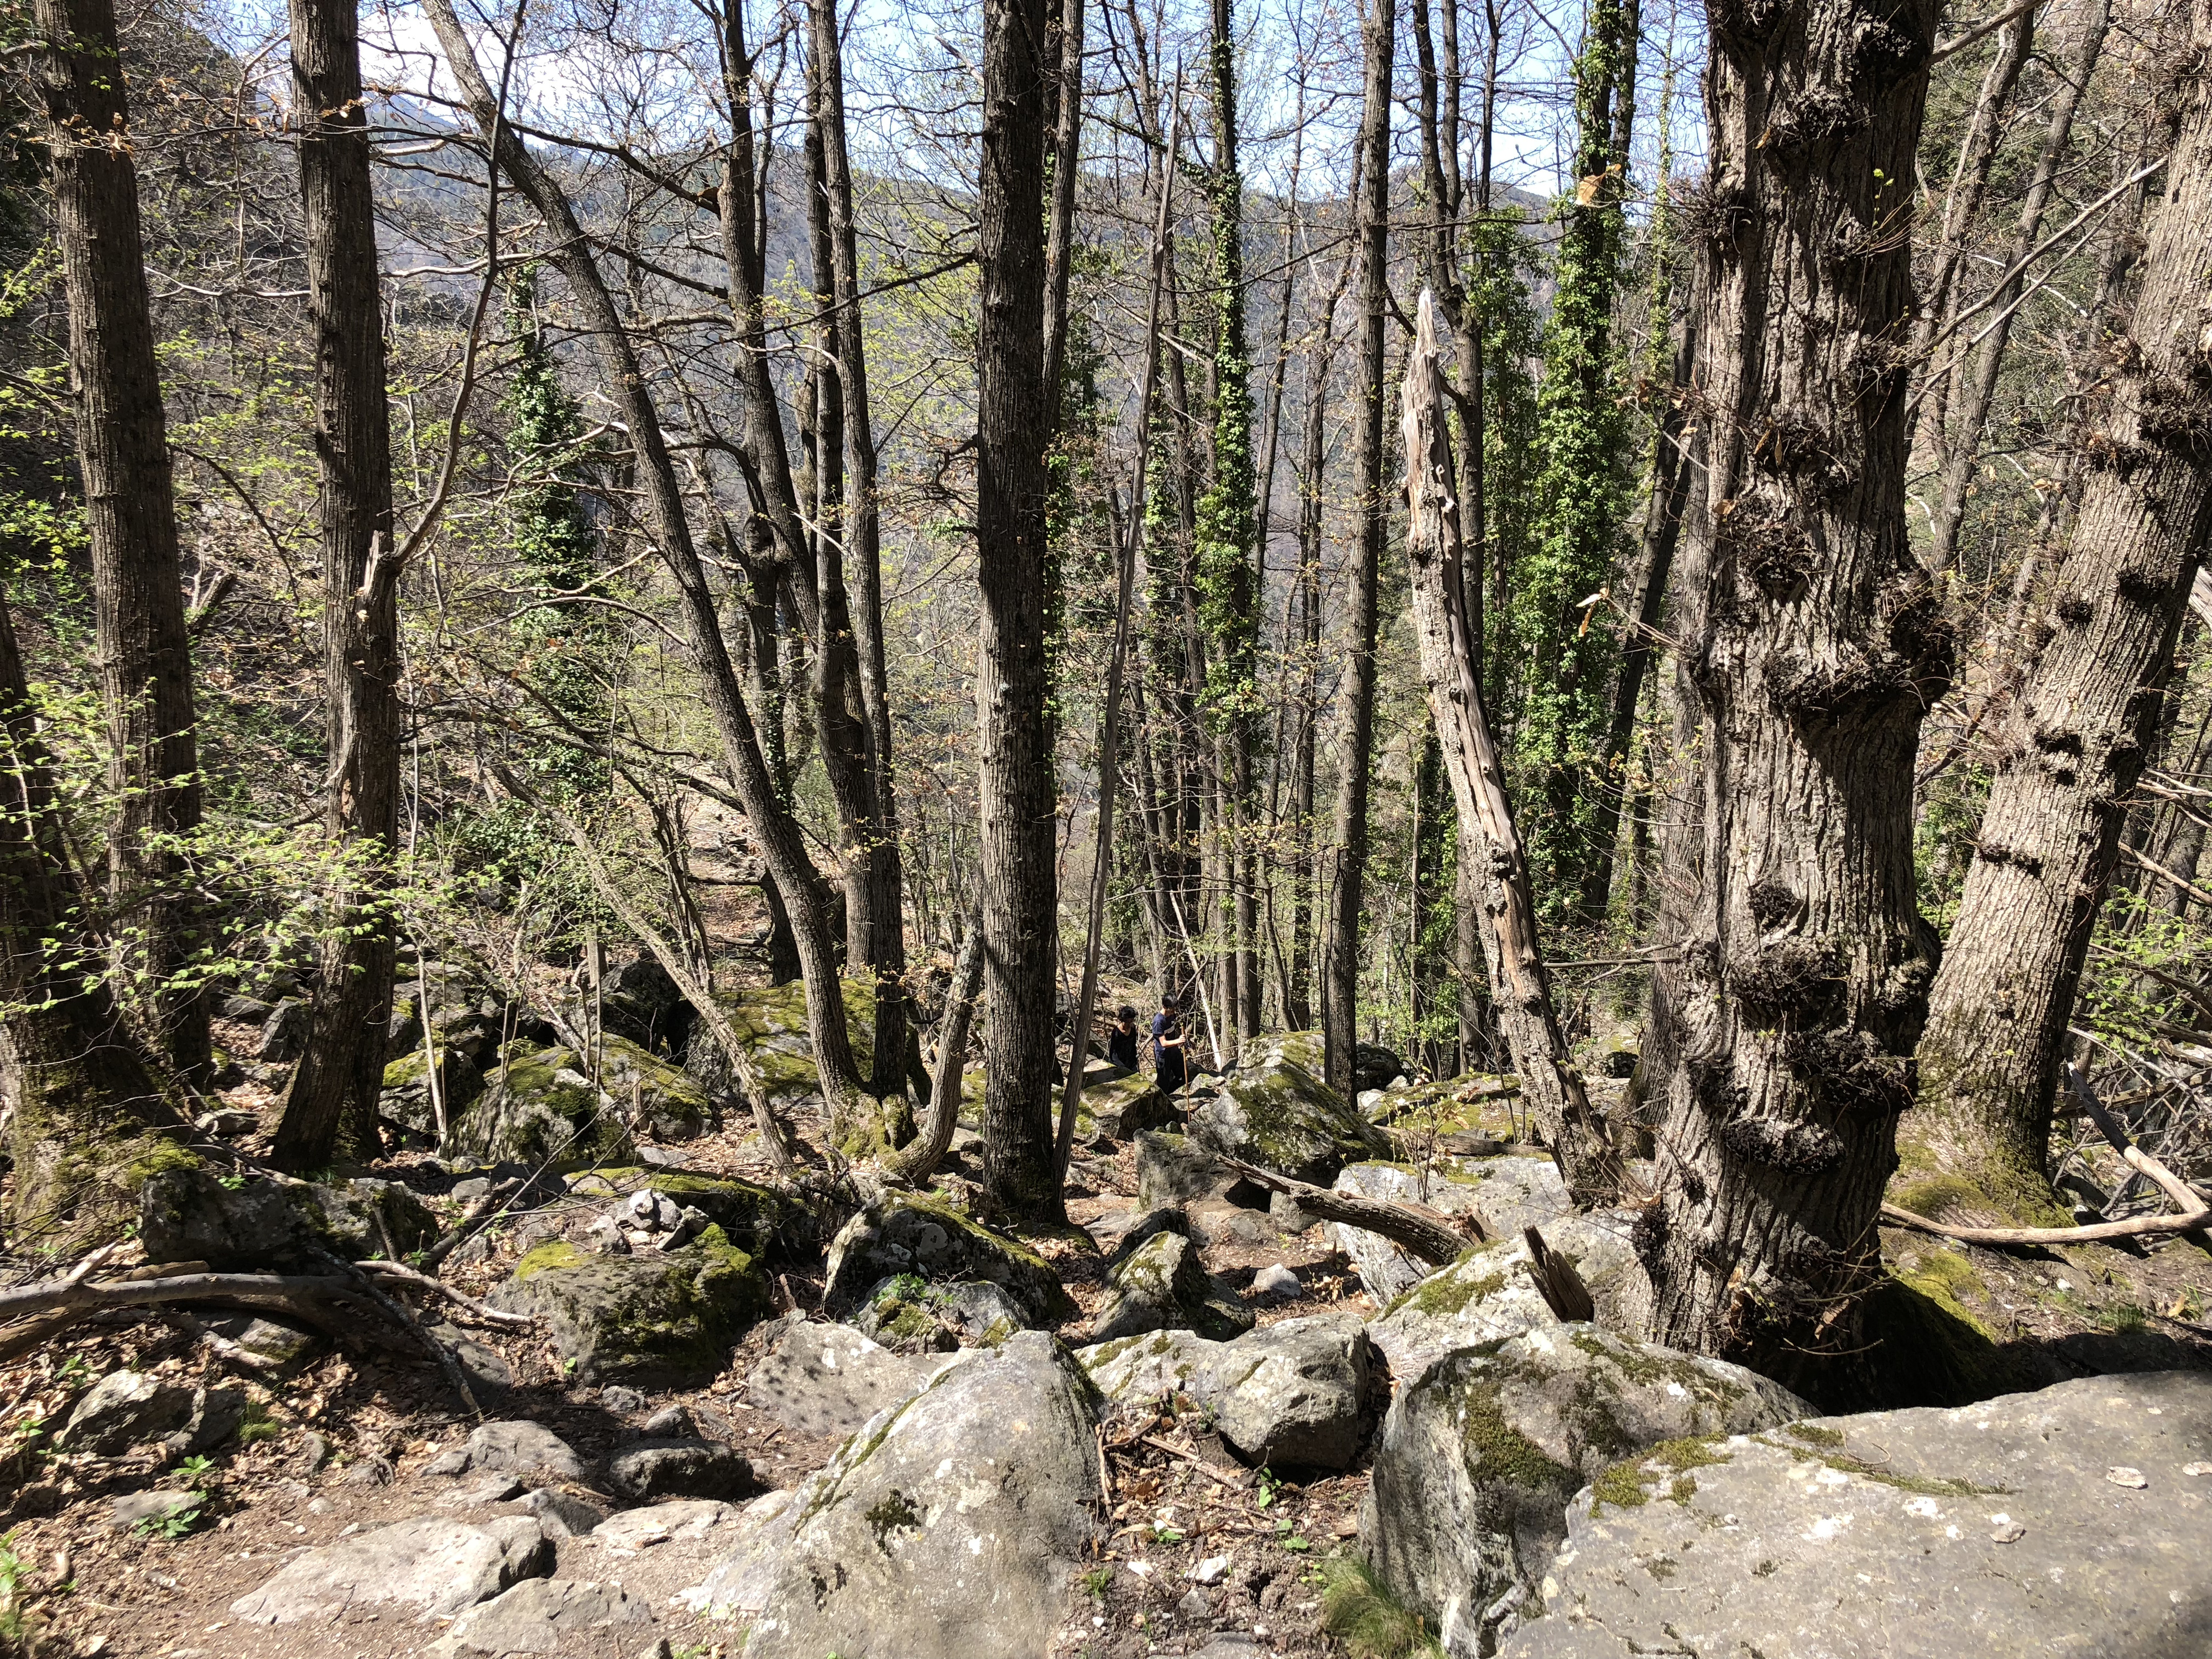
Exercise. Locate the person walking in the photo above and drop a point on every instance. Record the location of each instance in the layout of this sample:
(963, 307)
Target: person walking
(1167, 1039)
(1121, 1038)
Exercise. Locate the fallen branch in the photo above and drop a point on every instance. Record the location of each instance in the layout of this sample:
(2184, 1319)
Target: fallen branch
(409, 1277)
(1429, 1234)
(1557, 1281)
(332, 1305)
(216, 1343)
(2142, 1226)
(2171, 1184)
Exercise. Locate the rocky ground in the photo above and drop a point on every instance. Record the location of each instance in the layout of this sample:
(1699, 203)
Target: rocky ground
(711, 1417)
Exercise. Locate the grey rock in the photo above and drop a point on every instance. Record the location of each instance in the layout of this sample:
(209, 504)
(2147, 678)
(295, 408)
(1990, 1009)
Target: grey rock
(980, 1311)
(1232, 1224)
(681, 1518)
(538, 1107)
(450, 1464)
(1175, 1169)
(560, 1514)
(367, 1470)
(469, 1191)
(638, 1000)
(284, 1033)
(187, 1215)
(497, 1489)
(1195, 1608)
(123, 1409)
(246, 1011)
(617, 1398)
(1162, 1284)
(486, 1368)
(950, 1530)
(831, 1379)
(428, 1566)
(140, 1509)
(1383, 1267)
(227, 1124)
(671, 1423)
(1273, 1111)
(542, 1615)
(282, 1346)
(1513, 1191)
(650, 1470)
(1479, 1455)
(520, 1447)
(1278, 1283)
(1288, 1215)
(1487, 1294)
(1375, 1066)
(1118, 1104)
(658, 1319)
(215, 1416)
(1293, 1394)
(908, 1234)
(1878, 1536)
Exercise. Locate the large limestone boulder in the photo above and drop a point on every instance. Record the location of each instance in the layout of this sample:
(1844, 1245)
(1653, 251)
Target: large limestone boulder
(749, 1215)
(1272, 1111)
(639, 1002)
(1118, 1103)
(426, 1568)
(2073, 1520)
(949, 1527)
(1295, 1395)
(1156, 1282)
(660, 1320)
(831, 1379)
(540, 1107)
(546, 1615)
(1479, 1455)
(908, 1233)
(1504, 1194)
(186, 1214)
(771, 1021)
(1487, 1295)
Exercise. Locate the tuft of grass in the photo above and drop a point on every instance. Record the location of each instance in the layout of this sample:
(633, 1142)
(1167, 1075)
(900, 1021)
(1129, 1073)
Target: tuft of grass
(1359, 1610)
(19, 1631)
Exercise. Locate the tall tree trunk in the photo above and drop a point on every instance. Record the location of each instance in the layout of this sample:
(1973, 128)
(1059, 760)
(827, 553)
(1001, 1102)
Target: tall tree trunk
(1298, 999)
(1014, 422)
(1356, 693)
(2077, 732)
(76, 1094)
(331, 1102)
(1963, 447)
(130, 516)
(1489, 844)
(885, 945)
(1813, 643)
(805, 894)
(1962, 207)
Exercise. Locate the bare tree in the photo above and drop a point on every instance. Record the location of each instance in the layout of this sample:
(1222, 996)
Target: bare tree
(333, 1094)
(130, 516)
(1356, 692)
(2076, 735)
(1015, 407)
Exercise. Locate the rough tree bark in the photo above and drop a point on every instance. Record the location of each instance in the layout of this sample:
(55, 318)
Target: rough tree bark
(333, 1094)
(82, 1106)
(1489, 845)
(2073, 740)
(1784, 1020)
(806, 896)
(885, 941)
(1015, 418)
(130, 517)
(1355, 693)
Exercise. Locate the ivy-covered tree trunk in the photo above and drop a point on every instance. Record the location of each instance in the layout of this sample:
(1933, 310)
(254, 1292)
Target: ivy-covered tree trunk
(1020, 915)
(332, 1101)
(1783, 1022)
(1226, 557)
(82, 1107)
(1346, 886)
(2076, 737)
(1581, 489)
(131, 514)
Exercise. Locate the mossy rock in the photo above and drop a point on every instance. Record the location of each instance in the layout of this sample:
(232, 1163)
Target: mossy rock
(405, 1097)
(538, 1107)
(750, 1216)
(1119, 1104)
(668, 1103)
(660, 1320)
(1275, 1111)
(1162, 1284)
(909, 1233)
(186, 1214)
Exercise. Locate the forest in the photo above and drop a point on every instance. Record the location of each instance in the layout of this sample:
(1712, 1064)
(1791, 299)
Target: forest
(1507, 706)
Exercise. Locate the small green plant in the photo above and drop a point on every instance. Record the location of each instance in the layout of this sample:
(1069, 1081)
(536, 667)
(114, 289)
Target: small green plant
(231, 1182)
(1359, 1610)
(74, 1369)
(196, 1470)
(256, 1424)
(1096, 1581)
(177, 1523)
(18, 1629)
(1268, 1487)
